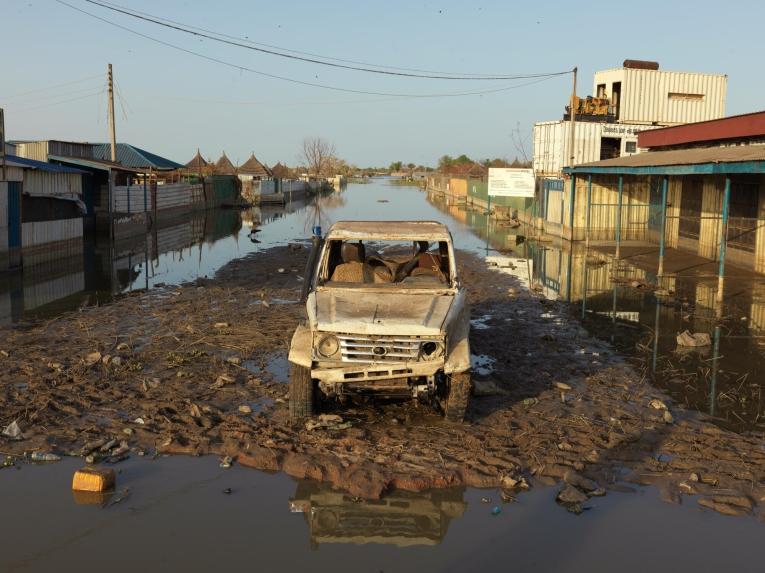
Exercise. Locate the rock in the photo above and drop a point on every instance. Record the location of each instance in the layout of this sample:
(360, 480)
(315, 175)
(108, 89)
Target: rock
(122, 347)
(116, 361)
(235, 360)
(579, 481)
(245, 409)
(530, 401)
(139, 421)
(668, 417)
(569, 494)
(685, 338)
(565, 446)
(93, 358)
(657, 404)
(13, 431)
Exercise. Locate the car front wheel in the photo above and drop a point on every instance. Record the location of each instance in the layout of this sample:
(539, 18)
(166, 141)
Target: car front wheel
(301, 393)
(458, 394)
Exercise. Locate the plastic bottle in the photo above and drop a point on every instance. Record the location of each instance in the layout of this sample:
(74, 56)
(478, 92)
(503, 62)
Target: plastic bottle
(44, 457)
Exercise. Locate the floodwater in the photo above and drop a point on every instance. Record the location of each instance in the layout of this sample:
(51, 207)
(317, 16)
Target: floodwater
(723, 380)
(175, 515)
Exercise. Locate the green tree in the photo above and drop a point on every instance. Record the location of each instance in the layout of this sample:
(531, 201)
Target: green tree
(396, 166)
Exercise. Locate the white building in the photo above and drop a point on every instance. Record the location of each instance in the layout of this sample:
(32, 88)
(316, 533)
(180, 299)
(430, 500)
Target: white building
(632, 98)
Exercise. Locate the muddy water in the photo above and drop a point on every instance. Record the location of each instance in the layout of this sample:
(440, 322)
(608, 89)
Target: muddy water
(724, 380)
(176, 517)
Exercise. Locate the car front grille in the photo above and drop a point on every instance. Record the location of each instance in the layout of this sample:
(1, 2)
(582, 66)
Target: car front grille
(359, 348)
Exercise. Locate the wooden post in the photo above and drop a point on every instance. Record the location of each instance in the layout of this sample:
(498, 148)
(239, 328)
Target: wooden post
(655, 340)
(112, 128)
(572, 134)
(723, 242)
(619, 218)
(663, 232)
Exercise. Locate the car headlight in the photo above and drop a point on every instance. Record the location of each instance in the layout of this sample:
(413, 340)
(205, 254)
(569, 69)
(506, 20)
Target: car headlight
(328, 346)
(431, 350)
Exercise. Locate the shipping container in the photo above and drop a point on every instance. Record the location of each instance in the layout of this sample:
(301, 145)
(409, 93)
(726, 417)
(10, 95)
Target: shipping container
(594, 141)
(657, 97)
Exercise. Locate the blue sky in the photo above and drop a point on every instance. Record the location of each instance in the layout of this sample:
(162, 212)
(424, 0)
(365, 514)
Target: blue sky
(174, 102)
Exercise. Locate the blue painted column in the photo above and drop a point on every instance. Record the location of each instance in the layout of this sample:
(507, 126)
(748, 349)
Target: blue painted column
(723, 243)
(663, 232)
(619, 218)
(571, 205)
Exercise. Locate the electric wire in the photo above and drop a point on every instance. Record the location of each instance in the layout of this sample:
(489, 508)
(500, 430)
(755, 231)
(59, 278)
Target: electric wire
(54, 86)
(283, 49)
(293, 80)
(238, 43)
(58, 102)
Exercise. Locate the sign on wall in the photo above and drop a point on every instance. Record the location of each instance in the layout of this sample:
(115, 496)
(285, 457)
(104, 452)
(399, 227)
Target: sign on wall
(511, 182)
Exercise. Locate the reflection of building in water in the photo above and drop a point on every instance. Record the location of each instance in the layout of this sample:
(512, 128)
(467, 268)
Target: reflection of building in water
(402, 518)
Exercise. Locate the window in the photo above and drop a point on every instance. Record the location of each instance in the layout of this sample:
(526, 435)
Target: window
(601, 91)
(685, 97)
(630, 147)
(742, 221)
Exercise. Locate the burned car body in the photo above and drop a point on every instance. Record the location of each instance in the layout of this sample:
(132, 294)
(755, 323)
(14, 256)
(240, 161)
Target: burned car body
(386, 315)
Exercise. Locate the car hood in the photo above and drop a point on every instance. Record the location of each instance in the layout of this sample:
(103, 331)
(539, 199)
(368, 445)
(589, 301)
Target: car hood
(354, 312)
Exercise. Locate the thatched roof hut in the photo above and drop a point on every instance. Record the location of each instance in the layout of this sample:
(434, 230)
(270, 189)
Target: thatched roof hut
(254, 168)
(224, 166)
(280, 171)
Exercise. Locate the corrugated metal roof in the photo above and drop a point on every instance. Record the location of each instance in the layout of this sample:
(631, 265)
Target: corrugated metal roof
(135, 157)
(99, 164)
(714, 159)
(24, 163)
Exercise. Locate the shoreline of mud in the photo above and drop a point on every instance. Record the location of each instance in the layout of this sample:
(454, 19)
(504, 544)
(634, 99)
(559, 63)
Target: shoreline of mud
(185, 370)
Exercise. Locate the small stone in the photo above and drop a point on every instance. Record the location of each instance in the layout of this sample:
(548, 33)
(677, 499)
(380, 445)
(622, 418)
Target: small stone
(116, 361)
(235, 360)
(93, 358)
(657, 404)
(245, 409)
(140, 421)
(668, 417)
(570, 494)
(579, 481)
(122, 347)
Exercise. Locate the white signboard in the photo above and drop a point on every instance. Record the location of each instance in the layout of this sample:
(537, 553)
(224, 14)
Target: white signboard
(511, 182)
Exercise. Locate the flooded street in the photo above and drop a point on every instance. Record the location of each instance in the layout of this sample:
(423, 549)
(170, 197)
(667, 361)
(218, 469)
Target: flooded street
(177, 517)
(182, 512)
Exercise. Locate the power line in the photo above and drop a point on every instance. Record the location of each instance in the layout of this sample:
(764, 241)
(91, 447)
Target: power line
(283, 49)
(293, 80)
(59, 94)
(238, 43)
(81, 80)
(59, 102)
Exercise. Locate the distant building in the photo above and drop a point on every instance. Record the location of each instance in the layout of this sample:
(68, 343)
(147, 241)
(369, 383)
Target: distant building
(253, 169)
(224, 166)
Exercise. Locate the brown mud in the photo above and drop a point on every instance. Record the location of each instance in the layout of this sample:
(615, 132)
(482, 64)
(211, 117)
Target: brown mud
(198, 369)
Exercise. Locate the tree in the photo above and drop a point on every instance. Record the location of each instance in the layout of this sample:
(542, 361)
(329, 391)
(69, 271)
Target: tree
(316, 154)
(445, 162)
(411, 166)
(396, 166)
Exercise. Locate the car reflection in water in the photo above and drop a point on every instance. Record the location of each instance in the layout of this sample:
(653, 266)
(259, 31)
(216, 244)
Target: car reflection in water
(401, 518)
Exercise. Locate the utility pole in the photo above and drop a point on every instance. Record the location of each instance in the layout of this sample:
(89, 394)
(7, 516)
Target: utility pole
(572, 113)
(112, 131)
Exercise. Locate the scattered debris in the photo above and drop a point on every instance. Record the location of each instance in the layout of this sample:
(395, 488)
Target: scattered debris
(327, 422)
(13, 431)
(94, 479)
(687, 339)
(44, 457)
(225, 462)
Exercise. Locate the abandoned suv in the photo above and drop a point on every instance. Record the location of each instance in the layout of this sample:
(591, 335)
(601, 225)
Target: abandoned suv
(387, 317)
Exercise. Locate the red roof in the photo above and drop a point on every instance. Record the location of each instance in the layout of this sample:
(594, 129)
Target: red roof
(735, 127)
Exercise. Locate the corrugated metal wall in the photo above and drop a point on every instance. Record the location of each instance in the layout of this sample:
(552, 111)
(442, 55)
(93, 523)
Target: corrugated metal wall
(458, 187)
(3, 223)
(44, 232)
(46, 183)
(551, 145)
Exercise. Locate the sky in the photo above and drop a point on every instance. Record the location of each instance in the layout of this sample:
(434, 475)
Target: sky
(172, 102)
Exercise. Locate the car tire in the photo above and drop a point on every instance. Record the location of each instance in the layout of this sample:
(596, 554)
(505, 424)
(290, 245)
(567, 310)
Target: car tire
(457, 396)
(301, 393)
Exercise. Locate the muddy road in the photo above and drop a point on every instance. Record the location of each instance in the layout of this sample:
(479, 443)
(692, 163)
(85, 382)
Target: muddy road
(199, 369)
